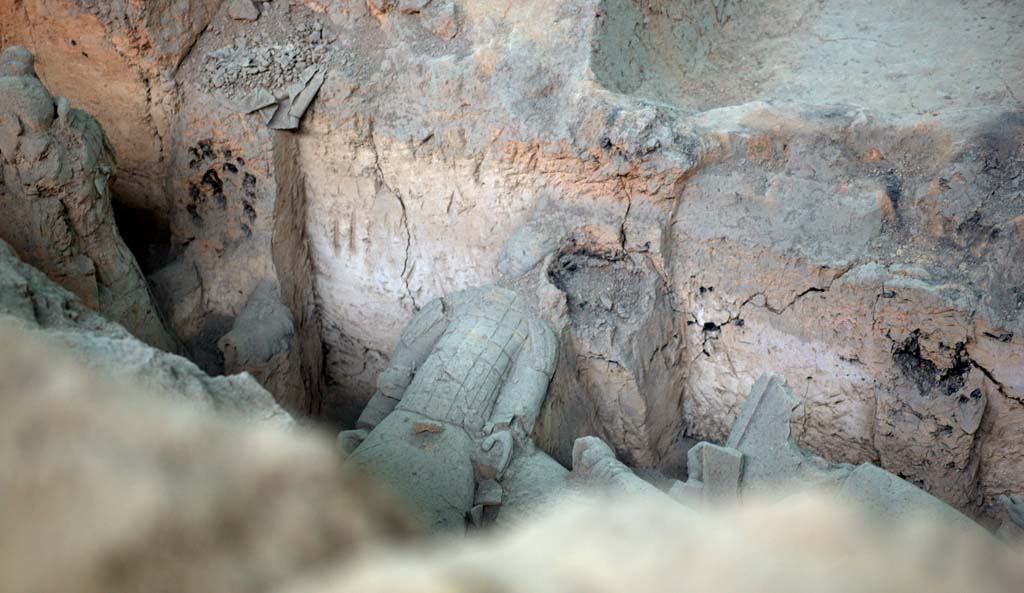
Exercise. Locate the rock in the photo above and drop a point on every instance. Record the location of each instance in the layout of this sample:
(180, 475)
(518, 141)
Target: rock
(52, 314)
(57, 202)
(129, 490)
(651, 546)
(243, 10)
(262, 342)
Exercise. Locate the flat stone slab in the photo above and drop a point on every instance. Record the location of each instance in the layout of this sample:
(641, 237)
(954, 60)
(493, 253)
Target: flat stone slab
(722, 470)
(773, 463)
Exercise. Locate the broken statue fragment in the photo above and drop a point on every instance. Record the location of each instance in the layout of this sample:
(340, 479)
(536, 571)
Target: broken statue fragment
(55, 167)
(762, 460)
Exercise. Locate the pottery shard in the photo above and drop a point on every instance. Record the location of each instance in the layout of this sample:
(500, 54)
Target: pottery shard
(427, 427)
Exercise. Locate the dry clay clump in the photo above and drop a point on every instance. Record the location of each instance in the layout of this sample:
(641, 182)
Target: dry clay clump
(240, 68)
(125, 489)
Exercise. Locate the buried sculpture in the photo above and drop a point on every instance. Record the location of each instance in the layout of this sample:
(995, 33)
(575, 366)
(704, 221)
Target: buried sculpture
(448, 430)
(55, 163)
(464, 387)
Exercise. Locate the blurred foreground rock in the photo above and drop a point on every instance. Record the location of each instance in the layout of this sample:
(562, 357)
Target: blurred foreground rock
(109, 488)
(804, 545)
(31, 301)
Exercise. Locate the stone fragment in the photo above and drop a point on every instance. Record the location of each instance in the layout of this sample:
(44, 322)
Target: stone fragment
(262, 342)
(348, 440)
(773, 462)
(594, 464)
(689, 493)
(532, 483)
(52, 314)
(130, 489)
(293, 103)
(1014, 507)
(257, 100)
(375, 411)
(305, 98)
(243, 10)
(488, 493)
(269, 112)
(762, 457)
(715, 473)
(476, 515)
(282, 118)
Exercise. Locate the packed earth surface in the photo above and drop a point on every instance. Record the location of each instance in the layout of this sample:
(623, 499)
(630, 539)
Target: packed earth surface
(247, 202)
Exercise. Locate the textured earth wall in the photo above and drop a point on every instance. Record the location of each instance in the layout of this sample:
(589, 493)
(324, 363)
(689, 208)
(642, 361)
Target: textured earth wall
(696, 192)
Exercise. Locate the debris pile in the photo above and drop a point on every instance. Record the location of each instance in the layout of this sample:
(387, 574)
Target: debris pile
(238, 68)
(279, 81)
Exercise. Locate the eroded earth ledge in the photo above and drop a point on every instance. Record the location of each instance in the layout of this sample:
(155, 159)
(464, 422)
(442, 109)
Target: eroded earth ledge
(691, 193)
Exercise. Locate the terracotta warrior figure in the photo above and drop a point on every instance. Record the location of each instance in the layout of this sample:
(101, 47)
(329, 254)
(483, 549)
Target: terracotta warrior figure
(462, 393)
(55, 163)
